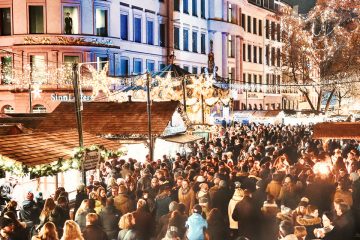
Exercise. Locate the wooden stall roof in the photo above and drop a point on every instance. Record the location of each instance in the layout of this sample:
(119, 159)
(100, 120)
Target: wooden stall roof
(113, 118)
(41, 148)
(182, 138)
(11, 129)
(337, 130)
(29, 121)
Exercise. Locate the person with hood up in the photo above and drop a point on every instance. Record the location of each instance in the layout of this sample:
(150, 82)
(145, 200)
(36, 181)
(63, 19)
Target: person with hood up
(237, 197)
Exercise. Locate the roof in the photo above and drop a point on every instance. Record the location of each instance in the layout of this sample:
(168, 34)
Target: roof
(183, 138)
(259, 113)
(102, 118)
(10, 129)
(337, 130)
(41, 148)
(27, 120)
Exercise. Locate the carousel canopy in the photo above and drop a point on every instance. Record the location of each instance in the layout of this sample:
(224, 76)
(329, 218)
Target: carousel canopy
(337, 130)
(42, 148)
(111, 118)
(173, 69)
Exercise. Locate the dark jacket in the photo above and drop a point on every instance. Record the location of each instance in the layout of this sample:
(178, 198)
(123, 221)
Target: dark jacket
(80, 196)
(109, 219)
(124, 203)
(221, 199)
(144, 223)
(94, 232)
(29, 212)
(162, 203)
(246, 215)
(80, 219)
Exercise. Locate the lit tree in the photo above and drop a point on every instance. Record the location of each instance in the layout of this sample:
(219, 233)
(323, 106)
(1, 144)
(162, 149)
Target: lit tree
(321, 50)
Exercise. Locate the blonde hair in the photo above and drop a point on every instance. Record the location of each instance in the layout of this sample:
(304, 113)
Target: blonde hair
(49, 205)
(48, 232)
(83, 206)
(300, 231)
(126, 221)
(72, 231)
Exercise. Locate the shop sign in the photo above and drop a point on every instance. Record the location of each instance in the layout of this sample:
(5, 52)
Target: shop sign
(69, 98)
(91, 161)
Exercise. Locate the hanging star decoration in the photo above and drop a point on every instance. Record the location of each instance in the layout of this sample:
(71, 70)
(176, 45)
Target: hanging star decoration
(36, 91)
(99, 81)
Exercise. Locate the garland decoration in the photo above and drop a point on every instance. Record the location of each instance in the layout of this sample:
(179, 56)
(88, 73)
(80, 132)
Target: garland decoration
(60, 165)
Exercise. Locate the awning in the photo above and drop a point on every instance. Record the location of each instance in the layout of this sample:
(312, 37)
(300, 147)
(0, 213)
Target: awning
(42, 148)
(182, 139)
(337, 130)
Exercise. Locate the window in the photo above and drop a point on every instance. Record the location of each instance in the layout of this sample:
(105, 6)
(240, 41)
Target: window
(37, 66)
(278, 57)
(194, 42)
(71, 20)
(195, 70)
(243, 21)
(267, 29)
(150, 65)
(254, 26)
(150, 32)
(101, 22)
(176, 38)
(260, 55)
(249, 24)
(124, 27)
(260, 82)
(36, 19)
(71, 59)
(38, 108)
(137, 66)
(255, 79)
(273, 57)
(194, 8)
(260, 27)
(278, 32)
(249, 53)
(244, 78)
(7, 109)
(249, 78)
(186, 40)
(267, 55)
(124, 66)
(186, 6)
(186, 68)
(255, 54)
(101, 62)
(203, 9)
(161, 66)
(5, 22)
(6, 70)
(231, 74)
(244, 52)
(229, 12)
(162, 35)
(137, 29)
(177, 5)
(230, 47)
(203, 43)
(273, 30)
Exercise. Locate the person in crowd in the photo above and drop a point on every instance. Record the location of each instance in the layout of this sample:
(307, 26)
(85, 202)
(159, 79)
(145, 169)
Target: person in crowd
(6, 228)
(47, 232)
(300, 232)
(196, 225)
(163, 222)
(127, 226)
(80, 196)
(19, 232)
(123, 202)
(237, 197)
(186, 195)
(29, 212)
(10, 207)
(92, 230)
(109, 218)
(286, 231)
(60, 214)
(71, 231)
(162, 201)
(144, 220)
(216, 223)
(80, 218)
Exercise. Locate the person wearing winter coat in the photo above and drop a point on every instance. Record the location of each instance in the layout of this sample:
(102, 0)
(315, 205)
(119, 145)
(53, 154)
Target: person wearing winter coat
(221, 198)
(60, 214)
(109, 217)
(144, 183)
(237, 197)
(274, 187)
(127, 226)
(186, 196)
(196, 225)
(216, 223)
(80, 196)
(123, 202)
(144, 221)
(286, 231)
(92, 230)
(80, 217)
(162, 201)
(29, 211)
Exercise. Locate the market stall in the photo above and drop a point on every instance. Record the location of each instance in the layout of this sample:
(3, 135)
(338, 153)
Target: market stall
(263, 117)
(337, 130)
(44, 161)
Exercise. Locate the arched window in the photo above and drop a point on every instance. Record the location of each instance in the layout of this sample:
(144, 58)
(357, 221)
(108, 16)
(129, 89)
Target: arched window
(38, 108)
(7, 109)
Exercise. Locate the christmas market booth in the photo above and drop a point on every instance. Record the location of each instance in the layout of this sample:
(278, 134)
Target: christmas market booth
(337, 130)
(263, 117)
(127, 123)
(42, 162)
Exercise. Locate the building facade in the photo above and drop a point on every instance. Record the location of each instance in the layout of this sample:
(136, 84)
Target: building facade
(133, 36)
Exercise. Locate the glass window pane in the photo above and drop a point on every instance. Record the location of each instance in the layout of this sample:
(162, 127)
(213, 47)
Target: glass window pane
(137, 30)
(177, 5)
(124, 67)
(185, 6)
(162, 33)
(150, 65)
(71, 59)
(194, 7)
(203, 42)
(101, 62)
(194, 42)
(37, 65)
(186, 40)
(203, 8)
(162, 66)
(71, 20)
(6, 70)
(5, 22)
(150, 32)
(101, 22)
(124, 26)
(194, 70)
(137, 66)
(36, 19)
(176, 38)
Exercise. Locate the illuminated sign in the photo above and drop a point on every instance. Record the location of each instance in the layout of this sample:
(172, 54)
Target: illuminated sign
(68, 98)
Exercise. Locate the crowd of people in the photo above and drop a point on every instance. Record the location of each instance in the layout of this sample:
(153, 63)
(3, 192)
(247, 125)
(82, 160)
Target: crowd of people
(256, 182)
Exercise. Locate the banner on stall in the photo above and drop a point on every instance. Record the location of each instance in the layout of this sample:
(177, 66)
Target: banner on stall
(92, 159)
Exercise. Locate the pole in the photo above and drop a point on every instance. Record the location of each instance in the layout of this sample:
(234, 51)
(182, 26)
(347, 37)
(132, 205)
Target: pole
(246, 99)
(202, 109)
(78, 114)
(30, 98)
(148, 79)
(184, 93)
